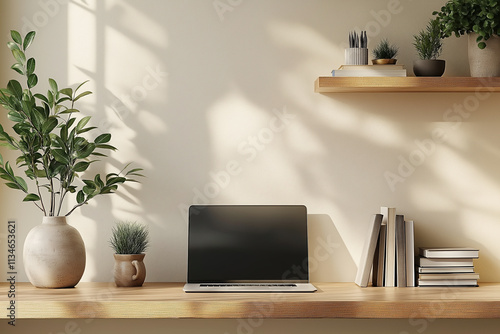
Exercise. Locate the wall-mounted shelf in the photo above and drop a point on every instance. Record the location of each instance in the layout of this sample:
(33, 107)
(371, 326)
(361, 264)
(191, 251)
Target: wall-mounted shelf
(405, 84)
(332, 300)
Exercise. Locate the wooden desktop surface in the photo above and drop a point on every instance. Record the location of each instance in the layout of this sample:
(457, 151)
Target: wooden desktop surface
(332, 300)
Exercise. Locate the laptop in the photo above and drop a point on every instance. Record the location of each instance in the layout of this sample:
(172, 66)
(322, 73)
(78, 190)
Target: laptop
(248, 248)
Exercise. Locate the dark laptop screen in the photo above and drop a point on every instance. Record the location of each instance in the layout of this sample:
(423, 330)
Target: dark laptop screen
(247, 243)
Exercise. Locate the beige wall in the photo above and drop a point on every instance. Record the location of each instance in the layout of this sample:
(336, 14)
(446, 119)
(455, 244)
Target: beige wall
(184, 90)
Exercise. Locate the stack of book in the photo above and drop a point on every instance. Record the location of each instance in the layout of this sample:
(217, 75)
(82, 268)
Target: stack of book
(370, 71)
(447, 267)
(388, 253)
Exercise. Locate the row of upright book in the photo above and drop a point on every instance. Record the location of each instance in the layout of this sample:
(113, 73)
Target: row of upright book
(388, 257)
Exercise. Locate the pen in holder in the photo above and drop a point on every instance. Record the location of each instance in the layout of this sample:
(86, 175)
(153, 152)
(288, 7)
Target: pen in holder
(357, 53)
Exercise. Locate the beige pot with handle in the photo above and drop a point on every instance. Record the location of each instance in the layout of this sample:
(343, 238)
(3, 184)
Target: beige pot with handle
(54, 254)
(484, 62)
(129, 269)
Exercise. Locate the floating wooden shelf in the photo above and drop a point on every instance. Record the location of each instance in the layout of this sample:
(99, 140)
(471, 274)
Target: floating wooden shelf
(405, 84)
(332, 300)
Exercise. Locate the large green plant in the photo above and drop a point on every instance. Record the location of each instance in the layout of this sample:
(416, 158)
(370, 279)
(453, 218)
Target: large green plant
(49, 138)
(428, 42)
(461, 17)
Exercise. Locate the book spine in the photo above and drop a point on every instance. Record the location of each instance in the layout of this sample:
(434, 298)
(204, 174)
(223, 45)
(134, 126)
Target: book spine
(400, 251)
(390, 260)
(366, 260)
(410, 253)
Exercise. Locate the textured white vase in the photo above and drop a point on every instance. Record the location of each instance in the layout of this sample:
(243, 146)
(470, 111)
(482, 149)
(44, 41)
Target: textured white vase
(485, 62)
(54, 254)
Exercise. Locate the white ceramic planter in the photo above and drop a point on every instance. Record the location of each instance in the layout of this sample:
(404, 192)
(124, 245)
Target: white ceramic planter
(485, 62)
(54, 254)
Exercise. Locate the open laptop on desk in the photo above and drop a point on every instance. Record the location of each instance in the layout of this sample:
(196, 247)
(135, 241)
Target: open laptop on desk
(248, 248)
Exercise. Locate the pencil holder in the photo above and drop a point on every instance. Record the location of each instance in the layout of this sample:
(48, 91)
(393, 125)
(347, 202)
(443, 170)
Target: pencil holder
(356, 56)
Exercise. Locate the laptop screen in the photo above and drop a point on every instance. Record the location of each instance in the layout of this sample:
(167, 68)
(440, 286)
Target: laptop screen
(247, 243)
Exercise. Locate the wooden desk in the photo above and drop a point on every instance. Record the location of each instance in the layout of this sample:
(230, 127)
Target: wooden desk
(332, 300)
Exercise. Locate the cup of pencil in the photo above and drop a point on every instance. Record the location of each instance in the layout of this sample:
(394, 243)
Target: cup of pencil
(357, 53)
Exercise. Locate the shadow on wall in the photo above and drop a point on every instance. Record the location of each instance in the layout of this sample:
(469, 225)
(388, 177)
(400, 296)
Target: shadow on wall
(329, 258)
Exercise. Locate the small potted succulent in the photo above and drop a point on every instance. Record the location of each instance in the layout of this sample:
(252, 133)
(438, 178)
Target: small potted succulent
(129, 240)
(384, 53)
(429, 46)
(480, 20)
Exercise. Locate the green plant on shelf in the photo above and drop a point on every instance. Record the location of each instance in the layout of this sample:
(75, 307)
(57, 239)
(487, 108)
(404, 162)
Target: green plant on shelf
(385, 50)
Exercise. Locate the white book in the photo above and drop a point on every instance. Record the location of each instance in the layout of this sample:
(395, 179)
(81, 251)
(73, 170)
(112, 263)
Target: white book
(449, 252)
(389, 219)
(425, 262)
(369, 73)
(410, 253)
(444, 270)
(448, 276)
(460, 282)
(389, 67)
(366, 260)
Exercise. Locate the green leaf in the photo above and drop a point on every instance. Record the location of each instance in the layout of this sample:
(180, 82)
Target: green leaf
(53, 85)
(31, 198)
(86, 129)
(67, 91)
(115, 180)
(28, 39)
(482, 45)
(81, 166)
(106, 147)
(22, 184)
(19, 55)
(18, 68)
(104, 138)
(15, 89)
(14, 116)
(86, 151)
(30, 66)
(60, 156)
(32, 80)
(82, 95)
(13, 185)
(49, 125)
(16, 37)
(80, 85)
(81, 124)
(80, 197)
(98, 181)
(69, 111)
(41, 97)
(12, 46)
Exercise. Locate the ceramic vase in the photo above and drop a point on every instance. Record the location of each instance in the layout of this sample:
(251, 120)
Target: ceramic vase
(129, 270)
(484, 62)
(54, 254)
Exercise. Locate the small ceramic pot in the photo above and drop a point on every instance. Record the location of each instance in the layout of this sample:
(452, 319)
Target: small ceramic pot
(129, 269)
(429, 67)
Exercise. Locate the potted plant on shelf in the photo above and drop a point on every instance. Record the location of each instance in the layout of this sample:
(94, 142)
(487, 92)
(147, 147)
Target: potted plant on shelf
(480, 20)
(129, 241)
(429, 46)
(54, 154)
(384, 53)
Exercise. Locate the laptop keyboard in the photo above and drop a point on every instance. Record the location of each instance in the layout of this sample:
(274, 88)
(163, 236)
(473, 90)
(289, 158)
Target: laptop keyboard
(219, 285)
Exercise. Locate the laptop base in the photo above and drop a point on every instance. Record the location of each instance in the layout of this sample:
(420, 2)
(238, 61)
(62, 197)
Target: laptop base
(249, 287)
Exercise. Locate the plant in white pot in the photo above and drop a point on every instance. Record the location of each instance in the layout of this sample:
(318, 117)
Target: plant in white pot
(480, 20)
(428, 45)
(54, 152)
(129, 240)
